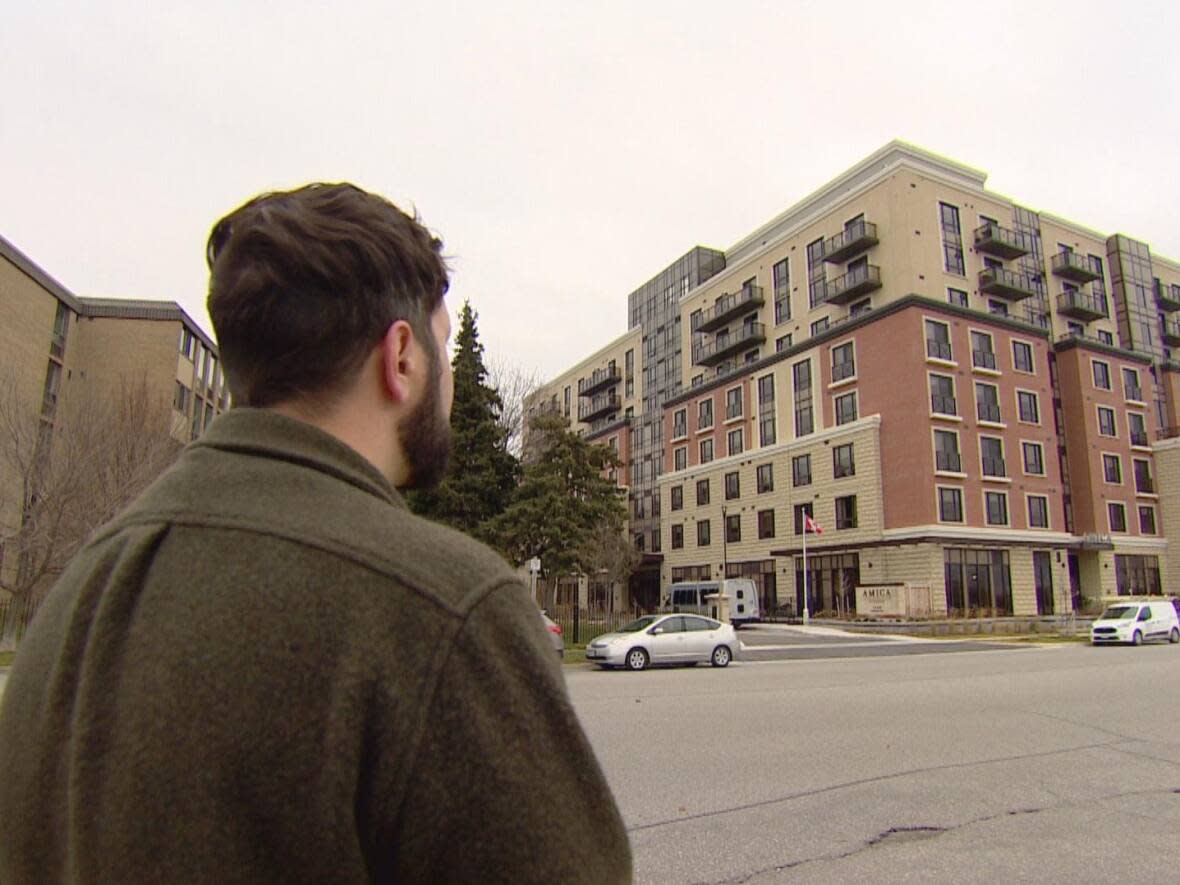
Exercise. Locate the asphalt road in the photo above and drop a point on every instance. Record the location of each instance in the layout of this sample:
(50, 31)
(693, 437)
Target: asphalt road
(1046, 764)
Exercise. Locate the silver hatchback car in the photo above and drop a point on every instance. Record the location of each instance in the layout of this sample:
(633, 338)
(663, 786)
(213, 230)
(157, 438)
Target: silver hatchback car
(665, 639)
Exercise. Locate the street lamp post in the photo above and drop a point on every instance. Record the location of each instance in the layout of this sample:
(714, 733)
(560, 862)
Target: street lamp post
(724, 544)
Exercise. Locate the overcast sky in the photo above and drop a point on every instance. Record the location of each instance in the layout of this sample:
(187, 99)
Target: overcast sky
(565, 152)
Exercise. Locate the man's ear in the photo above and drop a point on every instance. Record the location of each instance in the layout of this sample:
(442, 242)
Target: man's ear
(399, 361)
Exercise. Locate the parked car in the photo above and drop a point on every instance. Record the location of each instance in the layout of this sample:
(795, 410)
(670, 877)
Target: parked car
(1136, 622)
(665, 639)
(555, 637)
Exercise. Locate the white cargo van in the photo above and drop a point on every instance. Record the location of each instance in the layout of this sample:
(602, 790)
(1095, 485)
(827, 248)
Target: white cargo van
(692, 597)
(1136, 622)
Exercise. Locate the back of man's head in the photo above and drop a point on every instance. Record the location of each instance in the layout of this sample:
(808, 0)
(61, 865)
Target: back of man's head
(303, 284)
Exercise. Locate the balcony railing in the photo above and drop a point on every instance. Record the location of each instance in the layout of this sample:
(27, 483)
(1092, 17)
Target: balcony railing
(994, 467)
(1010, 284)
(603, 404)
(983, 359)
(939, 350)
(843, 370)
(1081, 306)
(948, 461)
(855, 238)
(996, 240)
(856, 282)
(750, 335)
(1171, 330)
(1138, 437)
(988, 412)
(599, 380)
(1144, 485)
(1074, 267)
(943, 405)
(1168, 297)
(730, 306)
(1133, 392)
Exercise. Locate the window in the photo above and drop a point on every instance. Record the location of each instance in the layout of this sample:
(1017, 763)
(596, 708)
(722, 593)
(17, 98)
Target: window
(181, 399)
(733, 528)
(1106, 426)
(702, 492)
(799, 510)
(1143, 482)
(995, 505)
(991, 450)
(842, 461)
(1038, 512)
(846, 408)
(956, 297)
(846, 512)
(804, 417)
(950, 504)
(1034, 458)
(782, 343)
(1138, 427)
(1146, 520)
(952, 239)
(1131, 388)
(843, 362)
(987, 402)
(706, 451)
(677, 502)
(733, 403)
(1101, 374)
(765, 478)
(801, 470)
(735, 441)
(766, 411)
(942, 395)
(819, 325)
(677, 537)
(680, 458)
(704, 414)
(781, 274)
(938, 340)
(816, 287)
(1022, 358)
(680, 423)
(998, 308)
(1028, 407)
(946, 451)
(703, 537)
(1117, 514)
(765, 524)
(982, 354)
(1112, 469)
(733, 486)
(187, 340)
(1105, 337)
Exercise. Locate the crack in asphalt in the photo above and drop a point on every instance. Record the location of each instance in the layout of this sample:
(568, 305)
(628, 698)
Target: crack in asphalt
(895, 835)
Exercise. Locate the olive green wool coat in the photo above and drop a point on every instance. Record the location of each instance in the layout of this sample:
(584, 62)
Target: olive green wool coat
(269, 670)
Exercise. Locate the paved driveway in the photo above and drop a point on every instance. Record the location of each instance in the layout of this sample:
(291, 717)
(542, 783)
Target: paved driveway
(783, 642)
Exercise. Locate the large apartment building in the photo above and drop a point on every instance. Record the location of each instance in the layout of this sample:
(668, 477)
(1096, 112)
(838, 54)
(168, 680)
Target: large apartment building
(965, 394)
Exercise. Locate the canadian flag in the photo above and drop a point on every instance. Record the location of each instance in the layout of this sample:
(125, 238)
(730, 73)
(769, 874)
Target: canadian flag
(810, 525)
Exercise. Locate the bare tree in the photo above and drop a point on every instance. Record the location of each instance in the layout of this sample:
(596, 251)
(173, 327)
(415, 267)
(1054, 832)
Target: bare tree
(513, 383)
(607, 552)
(67, 472)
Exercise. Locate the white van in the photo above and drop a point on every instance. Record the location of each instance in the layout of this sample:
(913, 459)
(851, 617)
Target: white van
(692, 597)
(1136, 622)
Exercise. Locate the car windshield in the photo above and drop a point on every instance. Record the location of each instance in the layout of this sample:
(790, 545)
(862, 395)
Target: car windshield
(1120, 612)
(641, 624)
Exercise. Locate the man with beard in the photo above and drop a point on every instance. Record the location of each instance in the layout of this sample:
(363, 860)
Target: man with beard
(268, 669)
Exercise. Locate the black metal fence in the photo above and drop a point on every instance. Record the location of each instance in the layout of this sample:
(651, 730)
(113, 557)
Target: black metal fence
(603, 607)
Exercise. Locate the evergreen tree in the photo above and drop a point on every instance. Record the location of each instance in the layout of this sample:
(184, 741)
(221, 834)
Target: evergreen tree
(564, 499)
(482, 473)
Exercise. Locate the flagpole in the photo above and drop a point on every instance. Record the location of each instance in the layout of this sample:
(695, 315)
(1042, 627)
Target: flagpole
(805, 568)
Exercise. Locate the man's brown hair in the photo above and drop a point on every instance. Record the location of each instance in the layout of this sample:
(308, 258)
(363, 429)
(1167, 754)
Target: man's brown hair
(304, 283)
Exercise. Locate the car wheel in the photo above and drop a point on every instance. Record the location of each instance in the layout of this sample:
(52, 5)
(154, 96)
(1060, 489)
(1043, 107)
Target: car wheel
(1174, 636)
(721, 656)
(1136, 638)
(636, 659)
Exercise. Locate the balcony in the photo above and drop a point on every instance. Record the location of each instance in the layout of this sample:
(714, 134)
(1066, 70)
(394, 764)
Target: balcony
(601, 405)
(1168, 297)
(1074, 267)
(599, 380)
(856, 238)
(728, 307)
(1000, 241)
(750, 335)
(1171, 330)
(1081, 306)
(1006, 283)
(853, 284)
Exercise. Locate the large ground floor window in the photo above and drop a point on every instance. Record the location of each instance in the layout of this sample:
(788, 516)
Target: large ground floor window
(831, 584)
(761, 572)
(1137, 575)
(691, 573)
(978, 583)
